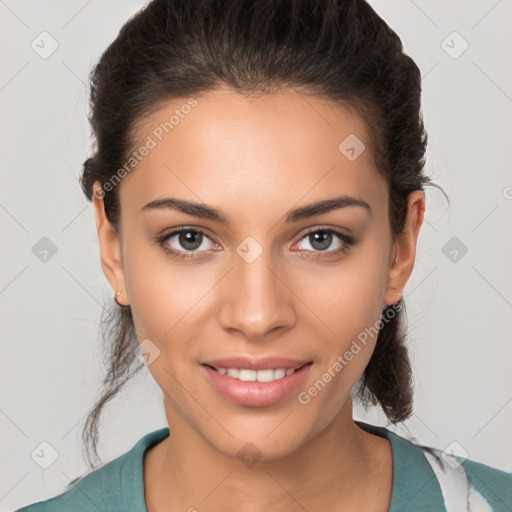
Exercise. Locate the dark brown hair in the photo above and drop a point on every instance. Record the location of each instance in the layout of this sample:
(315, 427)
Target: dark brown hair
(340, 50)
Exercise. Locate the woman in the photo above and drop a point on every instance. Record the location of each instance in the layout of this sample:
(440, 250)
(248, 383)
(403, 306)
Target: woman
(258, 190)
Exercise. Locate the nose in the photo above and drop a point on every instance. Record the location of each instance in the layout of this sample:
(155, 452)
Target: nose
(257, 299)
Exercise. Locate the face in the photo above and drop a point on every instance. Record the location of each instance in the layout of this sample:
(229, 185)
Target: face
(255, 274)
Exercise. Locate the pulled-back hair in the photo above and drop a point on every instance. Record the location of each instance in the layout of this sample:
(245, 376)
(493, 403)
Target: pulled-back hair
(339, 50)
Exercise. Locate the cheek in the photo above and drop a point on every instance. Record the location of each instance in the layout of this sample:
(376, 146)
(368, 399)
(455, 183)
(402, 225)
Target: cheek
(169, 299)
(171, 306)
(350, 306)
(348, 301)
(166, 301)
(347, 296)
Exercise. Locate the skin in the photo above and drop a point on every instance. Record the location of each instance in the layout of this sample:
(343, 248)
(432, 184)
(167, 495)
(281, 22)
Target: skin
(255, 159)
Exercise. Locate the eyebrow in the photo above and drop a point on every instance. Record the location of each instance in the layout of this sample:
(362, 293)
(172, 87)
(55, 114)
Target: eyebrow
(207, 212)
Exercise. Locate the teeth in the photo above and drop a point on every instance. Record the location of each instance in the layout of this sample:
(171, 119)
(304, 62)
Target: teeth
(279, 373)
(253, 375)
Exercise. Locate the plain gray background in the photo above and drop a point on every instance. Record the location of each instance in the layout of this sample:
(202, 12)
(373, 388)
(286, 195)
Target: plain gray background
(459, 298)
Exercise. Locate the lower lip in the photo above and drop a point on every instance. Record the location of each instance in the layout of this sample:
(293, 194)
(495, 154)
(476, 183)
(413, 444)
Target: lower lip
(256, 394)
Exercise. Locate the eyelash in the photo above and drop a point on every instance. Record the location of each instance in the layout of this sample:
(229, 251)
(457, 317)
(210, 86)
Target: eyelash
(348, 241)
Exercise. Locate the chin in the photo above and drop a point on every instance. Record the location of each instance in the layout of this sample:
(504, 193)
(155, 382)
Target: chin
(267, 438)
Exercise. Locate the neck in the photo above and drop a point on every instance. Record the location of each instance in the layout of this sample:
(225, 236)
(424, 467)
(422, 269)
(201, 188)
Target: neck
(341, 465)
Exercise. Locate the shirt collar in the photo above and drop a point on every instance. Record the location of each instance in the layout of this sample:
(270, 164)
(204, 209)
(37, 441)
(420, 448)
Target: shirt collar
(414, 485)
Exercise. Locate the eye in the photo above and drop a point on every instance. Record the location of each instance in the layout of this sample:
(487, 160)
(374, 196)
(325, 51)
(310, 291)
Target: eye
(321, 239)
(185, 242)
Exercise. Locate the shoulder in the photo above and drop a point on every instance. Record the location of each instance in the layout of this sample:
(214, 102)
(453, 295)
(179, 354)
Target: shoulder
(117, 485)
(84, 494)
(425, 474)
(484, 488)
(491, 483)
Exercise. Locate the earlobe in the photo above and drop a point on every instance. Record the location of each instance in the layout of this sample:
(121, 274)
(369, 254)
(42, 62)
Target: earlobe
(110, 247)
(404, 249)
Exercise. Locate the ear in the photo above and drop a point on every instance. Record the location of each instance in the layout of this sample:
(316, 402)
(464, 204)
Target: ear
(110, 246)
(404, 248)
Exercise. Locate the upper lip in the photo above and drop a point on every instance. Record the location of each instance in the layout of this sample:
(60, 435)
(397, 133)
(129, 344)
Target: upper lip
(253, 363)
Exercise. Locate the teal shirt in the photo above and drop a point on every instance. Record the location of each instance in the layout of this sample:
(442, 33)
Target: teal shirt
(118, 485)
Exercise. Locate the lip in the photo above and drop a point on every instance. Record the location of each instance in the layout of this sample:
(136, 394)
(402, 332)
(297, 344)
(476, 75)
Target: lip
(255, 394)
(253, 363)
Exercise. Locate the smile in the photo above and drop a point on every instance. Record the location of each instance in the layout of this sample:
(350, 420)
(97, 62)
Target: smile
(255, 388)
(248, 375)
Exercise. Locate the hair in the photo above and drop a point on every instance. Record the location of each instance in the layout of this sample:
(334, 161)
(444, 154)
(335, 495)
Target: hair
(339, 50)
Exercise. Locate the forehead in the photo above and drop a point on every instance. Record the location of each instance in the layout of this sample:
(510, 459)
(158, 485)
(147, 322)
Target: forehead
(258, 151)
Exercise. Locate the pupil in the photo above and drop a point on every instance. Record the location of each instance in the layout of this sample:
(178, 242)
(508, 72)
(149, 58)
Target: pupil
(187, 240)
(324, 239)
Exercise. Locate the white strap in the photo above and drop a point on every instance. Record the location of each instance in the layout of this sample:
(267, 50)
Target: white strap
(477, 503)
(452, 479)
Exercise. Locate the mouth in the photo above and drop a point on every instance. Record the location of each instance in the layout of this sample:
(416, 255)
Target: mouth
(255, 387)
(250, 375)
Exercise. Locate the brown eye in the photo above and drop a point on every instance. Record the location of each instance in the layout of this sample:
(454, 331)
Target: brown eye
(190, 240)
(321, 239)
(186, 243)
